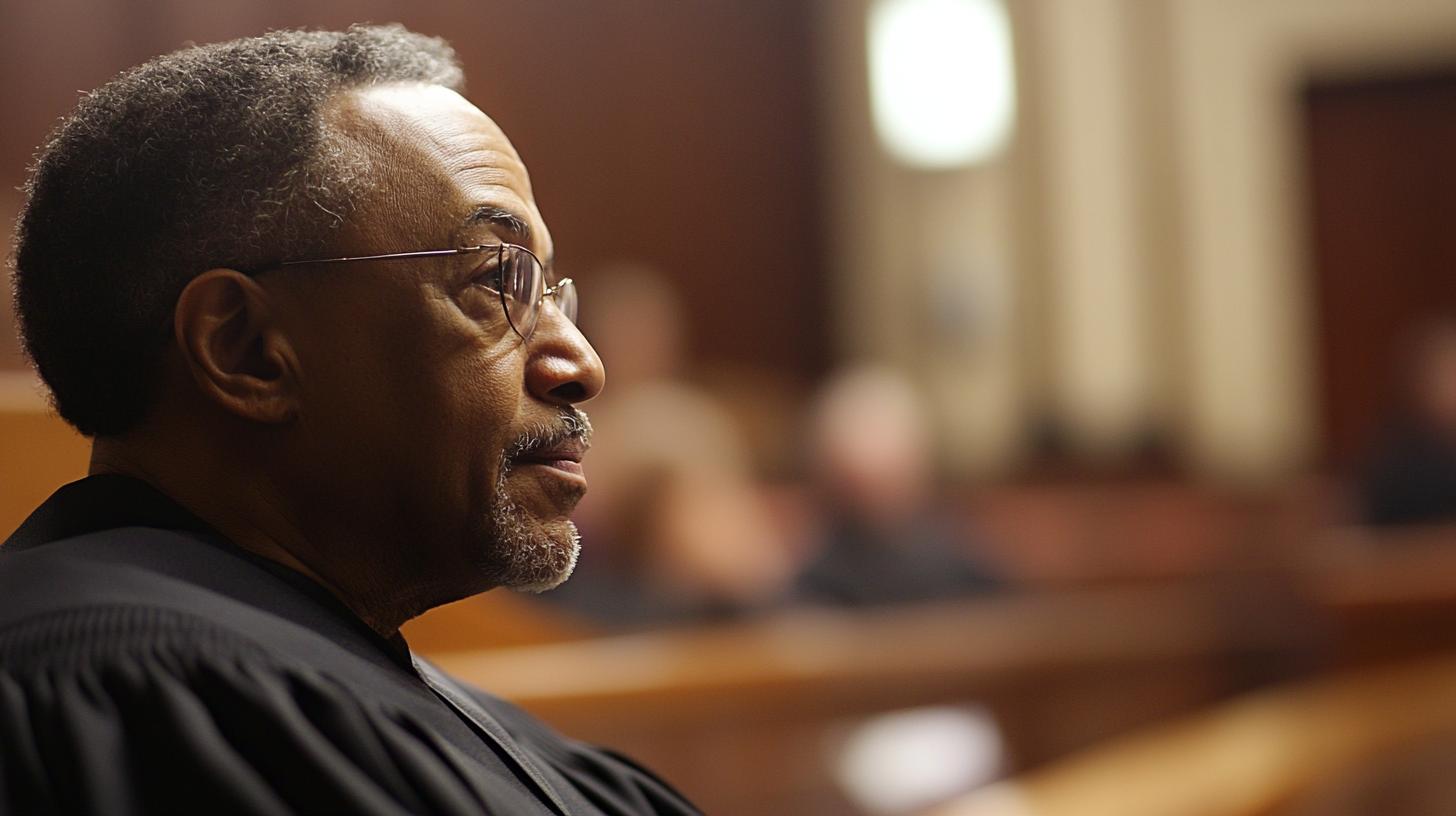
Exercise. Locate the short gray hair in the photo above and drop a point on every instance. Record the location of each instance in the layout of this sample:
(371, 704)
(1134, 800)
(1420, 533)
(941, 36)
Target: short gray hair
(215, 155)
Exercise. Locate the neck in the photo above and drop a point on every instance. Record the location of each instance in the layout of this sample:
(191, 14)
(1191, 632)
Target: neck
(244, 506)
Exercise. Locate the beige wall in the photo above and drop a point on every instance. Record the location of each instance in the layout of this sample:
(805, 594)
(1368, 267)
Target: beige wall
(923, 263)
(1238, 66)
(1147, 266)
(1104, 388)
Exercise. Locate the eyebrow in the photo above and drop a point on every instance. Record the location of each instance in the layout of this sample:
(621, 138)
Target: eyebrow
(519, 231)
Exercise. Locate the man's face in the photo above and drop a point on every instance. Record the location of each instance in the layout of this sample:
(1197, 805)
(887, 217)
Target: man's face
(430, 432)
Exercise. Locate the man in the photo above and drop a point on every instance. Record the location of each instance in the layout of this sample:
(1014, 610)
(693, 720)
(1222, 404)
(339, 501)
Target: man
(298, 290)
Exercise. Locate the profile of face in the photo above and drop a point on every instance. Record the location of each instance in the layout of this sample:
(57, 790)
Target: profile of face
(428, 430)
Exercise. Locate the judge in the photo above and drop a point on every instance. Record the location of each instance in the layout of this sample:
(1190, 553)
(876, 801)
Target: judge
(299, 292)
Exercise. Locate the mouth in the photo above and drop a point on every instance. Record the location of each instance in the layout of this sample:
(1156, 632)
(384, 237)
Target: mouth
(564, 457)
(552, 454)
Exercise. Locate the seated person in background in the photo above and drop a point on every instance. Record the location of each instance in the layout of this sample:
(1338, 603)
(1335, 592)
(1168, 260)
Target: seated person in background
(676, 530)
(299, 291)
(1411, 479)
(882, 537)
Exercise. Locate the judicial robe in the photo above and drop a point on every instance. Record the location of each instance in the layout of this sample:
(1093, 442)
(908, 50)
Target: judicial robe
(149, 665)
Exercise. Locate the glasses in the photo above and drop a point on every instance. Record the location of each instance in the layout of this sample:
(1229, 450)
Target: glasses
(511, 271)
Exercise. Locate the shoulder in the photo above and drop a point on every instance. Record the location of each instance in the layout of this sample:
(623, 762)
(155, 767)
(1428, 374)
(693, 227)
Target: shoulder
(143, 709)
(125, 707)
(128, 658)
(129, 590)
(97, 634)
(108, 590)
(101, 588)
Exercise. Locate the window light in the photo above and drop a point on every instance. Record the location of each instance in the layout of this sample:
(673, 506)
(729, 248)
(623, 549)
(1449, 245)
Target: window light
(942, 86)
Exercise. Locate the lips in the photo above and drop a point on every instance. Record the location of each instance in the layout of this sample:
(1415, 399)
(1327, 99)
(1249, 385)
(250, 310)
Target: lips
(555, 449)
(565, 456)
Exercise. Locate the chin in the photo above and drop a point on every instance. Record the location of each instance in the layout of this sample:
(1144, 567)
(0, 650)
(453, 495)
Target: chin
(530, 544)
(561, 545)
(551, 582)
(527, 554)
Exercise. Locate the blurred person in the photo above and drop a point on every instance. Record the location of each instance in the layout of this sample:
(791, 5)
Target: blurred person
(1411, 478)
(677, 531)
(882, 536)
(298, 290)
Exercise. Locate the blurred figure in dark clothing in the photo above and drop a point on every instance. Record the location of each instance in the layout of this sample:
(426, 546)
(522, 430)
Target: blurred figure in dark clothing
(882, 537)
(1412, 477)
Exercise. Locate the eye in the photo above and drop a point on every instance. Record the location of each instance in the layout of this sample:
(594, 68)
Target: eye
(489, 276)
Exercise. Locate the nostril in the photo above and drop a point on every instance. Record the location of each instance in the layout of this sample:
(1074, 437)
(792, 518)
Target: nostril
(569, 392)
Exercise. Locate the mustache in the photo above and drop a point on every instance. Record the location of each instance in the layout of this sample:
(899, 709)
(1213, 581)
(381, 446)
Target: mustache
(571, 425)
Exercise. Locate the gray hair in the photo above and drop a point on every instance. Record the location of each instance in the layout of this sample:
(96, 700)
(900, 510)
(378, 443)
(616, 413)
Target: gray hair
(216, 155)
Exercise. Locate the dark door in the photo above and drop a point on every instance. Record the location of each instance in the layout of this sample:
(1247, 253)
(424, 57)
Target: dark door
(1382, 169)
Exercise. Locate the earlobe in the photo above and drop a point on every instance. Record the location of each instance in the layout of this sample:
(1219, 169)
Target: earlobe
(234, 348)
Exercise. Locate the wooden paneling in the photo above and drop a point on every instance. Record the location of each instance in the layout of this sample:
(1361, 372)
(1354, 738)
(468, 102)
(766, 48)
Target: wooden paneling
(38, 451)
(1383, 192)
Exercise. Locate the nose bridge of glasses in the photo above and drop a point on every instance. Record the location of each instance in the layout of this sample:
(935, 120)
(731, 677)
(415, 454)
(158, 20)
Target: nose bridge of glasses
(564, 296)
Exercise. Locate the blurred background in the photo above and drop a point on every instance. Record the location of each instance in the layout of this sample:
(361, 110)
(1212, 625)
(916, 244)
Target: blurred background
(1014, 406)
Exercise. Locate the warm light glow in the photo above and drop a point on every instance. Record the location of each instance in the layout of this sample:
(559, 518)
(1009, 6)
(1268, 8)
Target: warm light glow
(941, 80)
(904, 761)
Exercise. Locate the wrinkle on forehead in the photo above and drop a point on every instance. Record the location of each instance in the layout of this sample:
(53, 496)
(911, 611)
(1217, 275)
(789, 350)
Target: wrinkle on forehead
(440, 145)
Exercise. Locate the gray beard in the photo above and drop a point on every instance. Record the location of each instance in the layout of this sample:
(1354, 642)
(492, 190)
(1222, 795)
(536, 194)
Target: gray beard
(526, 556)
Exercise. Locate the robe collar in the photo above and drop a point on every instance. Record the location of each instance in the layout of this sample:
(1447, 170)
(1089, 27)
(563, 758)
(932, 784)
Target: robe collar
(110, 501)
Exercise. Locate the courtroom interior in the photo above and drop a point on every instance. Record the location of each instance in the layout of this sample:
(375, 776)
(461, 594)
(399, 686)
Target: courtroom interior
(1013, 407)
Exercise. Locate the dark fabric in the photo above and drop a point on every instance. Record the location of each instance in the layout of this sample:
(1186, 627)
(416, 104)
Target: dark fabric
(860, 565)
(1411, 479)
(147, 665)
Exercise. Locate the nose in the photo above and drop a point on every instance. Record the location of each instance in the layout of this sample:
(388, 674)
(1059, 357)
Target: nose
(563, 368)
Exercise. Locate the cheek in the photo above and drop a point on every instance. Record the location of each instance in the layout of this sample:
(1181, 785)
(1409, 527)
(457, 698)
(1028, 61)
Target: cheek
(429, 368)
(477, 388)
(456, 455)
(469, 402)
(411, 402)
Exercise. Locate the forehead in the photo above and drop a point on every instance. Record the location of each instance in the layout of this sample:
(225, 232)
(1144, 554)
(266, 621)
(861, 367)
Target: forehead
(436, 164)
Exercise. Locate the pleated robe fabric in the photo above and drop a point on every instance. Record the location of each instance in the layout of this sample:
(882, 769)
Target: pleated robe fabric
(148, 665)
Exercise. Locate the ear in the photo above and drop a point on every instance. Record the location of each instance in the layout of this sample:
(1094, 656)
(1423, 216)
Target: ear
(231, 343)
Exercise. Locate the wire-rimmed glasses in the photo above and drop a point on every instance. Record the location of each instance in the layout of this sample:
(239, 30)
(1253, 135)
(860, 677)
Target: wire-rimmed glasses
(510, 270)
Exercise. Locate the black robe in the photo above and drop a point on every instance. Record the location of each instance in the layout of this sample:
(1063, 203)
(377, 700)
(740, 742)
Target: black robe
(148, 665)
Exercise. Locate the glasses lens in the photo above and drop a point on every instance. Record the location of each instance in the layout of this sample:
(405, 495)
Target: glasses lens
(521, 292)
(565, 297)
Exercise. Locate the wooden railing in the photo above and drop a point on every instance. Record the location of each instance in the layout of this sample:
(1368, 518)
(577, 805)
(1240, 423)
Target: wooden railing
(1062, 673)
(1266, 754)
(744, 717)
